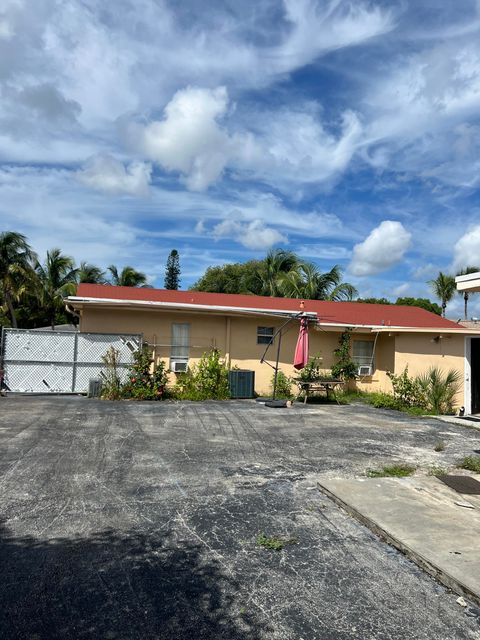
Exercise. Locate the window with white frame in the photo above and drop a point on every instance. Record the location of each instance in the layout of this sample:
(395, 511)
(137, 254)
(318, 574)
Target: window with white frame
(362, 353)
(180, 342)
(264, 335)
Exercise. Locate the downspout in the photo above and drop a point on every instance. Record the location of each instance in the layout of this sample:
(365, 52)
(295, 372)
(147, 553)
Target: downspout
(227, 340)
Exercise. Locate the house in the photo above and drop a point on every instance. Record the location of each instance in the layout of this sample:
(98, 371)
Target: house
(181, 325)
(470, 283)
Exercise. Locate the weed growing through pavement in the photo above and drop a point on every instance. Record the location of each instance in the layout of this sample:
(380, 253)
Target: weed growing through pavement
(471, 463)
(393, 471)
(273, 543)
(439, 446)
(436, 471)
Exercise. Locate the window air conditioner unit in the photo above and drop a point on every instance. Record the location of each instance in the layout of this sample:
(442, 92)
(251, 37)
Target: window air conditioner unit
(179, 367)
(364, 370)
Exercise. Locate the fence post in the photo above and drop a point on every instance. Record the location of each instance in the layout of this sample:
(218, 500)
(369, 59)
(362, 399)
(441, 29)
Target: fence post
(74, 368)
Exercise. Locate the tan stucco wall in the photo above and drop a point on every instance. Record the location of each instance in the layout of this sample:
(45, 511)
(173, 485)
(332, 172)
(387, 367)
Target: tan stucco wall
(421, 351)
(236, 339)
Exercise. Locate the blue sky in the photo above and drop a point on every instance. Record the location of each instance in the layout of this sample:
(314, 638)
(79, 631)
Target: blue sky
(345, 131)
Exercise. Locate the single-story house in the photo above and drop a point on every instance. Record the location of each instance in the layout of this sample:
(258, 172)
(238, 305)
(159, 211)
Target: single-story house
(181, 325)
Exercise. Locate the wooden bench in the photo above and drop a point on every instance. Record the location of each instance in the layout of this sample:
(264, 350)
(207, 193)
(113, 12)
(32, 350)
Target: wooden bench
(316, 386)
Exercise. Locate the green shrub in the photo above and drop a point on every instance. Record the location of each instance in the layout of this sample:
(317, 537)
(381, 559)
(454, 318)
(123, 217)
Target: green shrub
(344, 368)
(312, 370)
(208, 380)
(406, 390)
(146, 382)
(284, 386)
(439, 389)
(111, 383)
(382, 400)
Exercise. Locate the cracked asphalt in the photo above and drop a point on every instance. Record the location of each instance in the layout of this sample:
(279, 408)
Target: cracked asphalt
(139, 520)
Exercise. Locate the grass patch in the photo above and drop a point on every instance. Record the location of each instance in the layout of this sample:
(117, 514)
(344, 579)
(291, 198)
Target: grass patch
(439, 446)
(273, 543)
(347, 397)
(392, 471)
(471, 463)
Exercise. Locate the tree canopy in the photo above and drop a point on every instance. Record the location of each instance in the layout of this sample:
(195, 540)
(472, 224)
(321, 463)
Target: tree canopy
(282, 274)
(172, 271)
(444, 289)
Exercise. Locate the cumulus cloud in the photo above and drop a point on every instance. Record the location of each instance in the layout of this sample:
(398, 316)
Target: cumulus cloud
(466, 252)
(104, 173)
(189, 139)
(254, 235)
(383, 248)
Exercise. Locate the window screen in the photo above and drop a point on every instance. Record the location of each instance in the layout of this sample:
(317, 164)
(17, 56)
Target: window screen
(362, 352)
(180, 341)
(264, 335)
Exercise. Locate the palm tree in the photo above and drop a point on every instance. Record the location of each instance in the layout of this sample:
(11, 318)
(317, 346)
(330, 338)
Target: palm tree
(16, 271)
(90, 273)
(277, 263)
(57, 278)
(310, 283)
(128, 277)
(466, 294)
(443, 288)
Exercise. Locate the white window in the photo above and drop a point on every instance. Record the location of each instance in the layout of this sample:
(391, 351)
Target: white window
(362, 353)
(264, 335)
(180, 342)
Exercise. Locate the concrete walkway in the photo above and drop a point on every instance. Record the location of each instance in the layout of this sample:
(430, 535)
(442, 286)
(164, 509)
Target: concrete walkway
(432, 524)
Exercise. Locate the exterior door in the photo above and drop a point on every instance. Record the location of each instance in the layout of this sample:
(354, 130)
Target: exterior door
(475, 375)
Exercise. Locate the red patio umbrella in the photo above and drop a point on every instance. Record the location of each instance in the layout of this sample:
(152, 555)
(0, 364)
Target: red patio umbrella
(301, 350)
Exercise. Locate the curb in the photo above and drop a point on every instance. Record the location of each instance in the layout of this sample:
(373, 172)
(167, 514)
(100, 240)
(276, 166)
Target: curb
(433, 570)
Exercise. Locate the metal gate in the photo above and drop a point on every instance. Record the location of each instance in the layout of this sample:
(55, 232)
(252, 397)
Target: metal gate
(60, 361)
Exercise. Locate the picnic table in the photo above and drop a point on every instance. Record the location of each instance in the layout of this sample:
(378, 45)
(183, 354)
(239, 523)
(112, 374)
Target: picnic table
(307, 388)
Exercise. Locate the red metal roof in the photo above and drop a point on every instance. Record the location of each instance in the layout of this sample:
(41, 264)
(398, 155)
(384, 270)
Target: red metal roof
(349, 313)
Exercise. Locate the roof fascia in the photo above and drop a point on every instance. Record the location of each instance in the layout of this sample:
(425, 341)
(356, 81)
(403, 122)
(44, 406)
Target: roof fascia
(148, 304)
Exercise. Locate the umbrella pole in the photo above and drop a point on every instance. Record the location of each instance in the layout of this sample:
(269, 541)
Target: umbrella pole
(276, 365)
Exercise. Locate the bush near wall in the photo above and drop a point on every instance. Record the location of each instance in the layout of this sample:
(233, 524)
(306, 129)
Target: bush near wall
(145, 379)
(208, 380)
(432, 392)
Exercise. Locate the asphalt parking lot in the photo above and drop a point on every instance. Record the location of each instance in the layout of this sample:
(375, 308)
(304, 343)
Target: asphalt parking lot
(140, 520)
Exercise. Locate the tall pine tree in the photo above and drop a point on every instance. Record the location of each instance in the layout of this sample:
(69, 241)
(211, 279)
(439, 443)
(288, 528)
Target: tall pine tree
(172, 270)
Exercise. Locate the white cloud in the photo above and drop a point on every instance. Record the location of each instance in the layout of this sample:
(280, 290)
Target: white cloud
(292, 145)
(383, 248)
(402, 289)
(105, 173)
(189, 139)
(466, 252)
(200, 227)
(324, 251)
(254, 235)
(317, 28)
(425, 271)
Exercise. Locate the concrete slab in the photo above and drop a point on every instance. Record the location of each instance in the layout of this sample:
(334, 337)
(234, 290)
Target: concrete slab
(433, 525)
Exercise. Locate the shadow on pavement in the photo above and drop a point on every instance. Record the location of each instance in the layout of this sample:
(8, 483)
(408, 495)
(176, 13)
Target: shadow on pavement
(117, 585)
